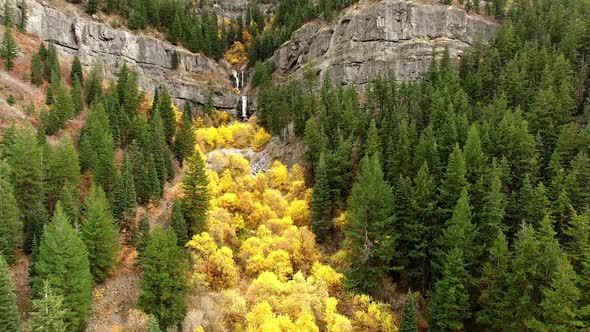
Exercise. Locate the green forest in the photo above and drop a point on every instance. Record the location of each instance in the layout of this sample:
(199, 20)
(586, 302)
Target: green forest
(456, 202)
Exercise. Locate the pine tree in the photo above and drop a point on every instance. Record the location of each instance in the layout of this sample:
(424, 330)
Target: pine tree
(97, 149)
(321, 222)
(62, 109)
(178, 224)
(163, 283)
(36, 70)
(63, 261)
(125, 202)
(76, 72)
(8, 14)
(8, 49)
(496, 310)
(25, 158)
(11, 225)
(409, 321)
(424, 224)
(453, 183)
(68, 198)
(494, 203)
(94, 85)
(48, 313)
(9, 315)
(560, 302)
(196, 195)
(153, 181)
(373, 144)
(77, 97)
(184, 142)
(99, 233)
(167, 114)
(450, 299)
(460, 233)
(52, 69)
(370, 232)
(62, 167)
(143, 234)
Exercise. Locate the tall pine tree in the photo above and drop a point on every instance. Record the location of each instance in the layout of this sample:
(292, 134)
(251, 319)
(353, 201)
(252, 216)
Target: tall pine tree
(9, 315)
(195, 202)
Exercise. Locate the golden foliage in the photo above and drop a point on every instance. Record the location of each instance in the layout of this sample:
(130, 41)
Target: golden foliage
(237, 55)
(261, 139)
(257, 253)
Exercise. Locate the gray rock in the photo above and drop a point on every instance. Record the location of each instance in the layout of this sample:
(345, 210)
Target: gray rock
(376, 37)
(95, 42)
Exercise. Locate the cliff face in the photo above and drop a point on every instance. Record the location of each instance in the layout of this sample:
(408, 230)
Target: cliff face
(376, 37)
(95, 42)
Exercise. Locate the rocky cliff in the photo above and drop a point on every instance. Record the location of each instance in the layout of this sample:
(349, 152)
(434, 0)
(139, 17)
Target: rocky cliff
(376, 37)
(95, 42)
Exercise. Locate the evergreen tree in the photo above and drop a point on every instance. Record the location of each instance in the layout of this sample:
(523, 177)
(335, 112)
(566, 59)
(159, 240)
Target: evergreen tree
(167, 114)
(453, 183)
(100, 234)
(63, 262)
(153, 182)
(560, 302)
(8, 49)
(321, 205)
(409, 321)
(370, 232)
(68, 198)
(52, 69)
(163, 283)
(125, 202)
(450, 299)
(36, 70)
(77, 97)
(94, 85)
(62, 109)
(25, 158)
(9, 316)
(492, 216)
(496, 310)
(179, 224)
(460, 232)
(97, 149)
(143, 234)
(48, 311)
(184, 142)
(8, 14)
(196, 195)
(424, 225)
(76, 72)
(11, 225)
(62, 167)
(373, 144)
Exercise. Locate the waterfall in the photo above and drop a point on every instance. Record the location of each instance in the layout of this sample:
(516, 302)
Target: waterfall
(245, 108)
(235, 73)
(242, 82)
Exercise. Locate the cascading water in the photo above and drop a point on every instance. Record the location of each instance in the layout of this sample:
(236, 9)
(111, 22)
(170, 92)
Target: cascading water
(245, 108)
(235, 73)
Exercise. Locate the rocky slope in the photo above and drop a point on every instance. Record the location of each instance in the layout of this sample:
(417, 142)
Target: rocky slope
(376, 37)
(95, 42)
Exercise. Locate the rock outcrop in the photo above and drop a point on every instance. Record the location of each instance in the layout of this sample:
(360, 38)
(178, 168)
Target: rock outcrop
(377, 37)
(94, 42)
